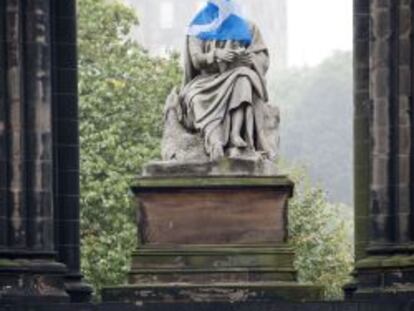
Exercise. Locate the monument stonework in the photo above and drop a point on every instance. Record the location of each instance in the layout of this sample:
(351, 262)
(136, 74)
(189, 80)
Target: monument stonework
(39, 184)
(212, 215)
(39, 153)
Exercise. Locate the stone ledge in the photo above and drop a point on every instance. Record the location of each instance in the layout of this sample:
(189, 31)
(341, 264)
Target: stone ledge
(218, 292)
(221, 182)
(386, 305)
(386, 262)
(224, 167)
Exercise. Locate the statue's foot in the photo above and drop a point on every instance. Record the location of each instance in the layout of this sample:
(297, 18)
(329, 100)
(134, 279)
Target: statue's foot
(237, 141)
(250, 144)
(265, 154)
(217, 152)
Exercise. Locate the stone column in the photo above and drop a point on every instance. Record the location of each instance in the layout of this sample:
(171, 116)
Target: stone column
(361, 124)
(39, 201)
(27, 266)
(387, 266)
(66, 146)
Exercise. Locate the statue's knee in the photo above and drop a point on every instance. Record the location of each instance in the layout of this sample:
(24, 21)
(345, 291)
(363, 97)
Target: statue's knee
(243, 81)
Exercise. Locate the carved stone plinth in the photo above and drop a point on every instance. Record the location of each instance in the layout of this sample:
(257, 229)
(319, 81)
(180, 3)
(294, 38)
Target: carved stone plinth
(34, 281)
(212, 239)
(383, 277)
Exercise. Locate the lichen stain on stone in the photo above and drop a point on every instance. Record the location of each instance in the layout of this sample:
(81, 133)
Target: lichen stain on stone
(16, 111)
(41, 39)
(239, 295)
(144, 293)
(216, 294)
(16, 217)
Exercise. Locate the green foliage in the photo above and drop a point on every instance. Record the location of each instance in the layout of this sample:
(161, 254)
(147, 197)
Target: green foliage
(122, 92)
(322, 235)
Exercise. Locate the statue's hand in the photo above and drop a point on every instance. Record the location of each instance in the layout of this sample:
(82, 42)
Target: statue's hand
(223, 55)
(246, 59)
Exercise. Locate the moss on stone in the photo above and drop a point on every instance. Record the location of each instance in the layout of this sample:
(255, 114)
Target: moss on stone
(5, 263)
(200, 182)
(386, 262)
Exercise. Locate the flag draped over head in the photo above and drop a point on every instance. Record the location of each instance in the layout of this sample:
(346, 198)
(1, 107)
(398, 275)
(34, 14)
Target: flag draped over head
(220, 20)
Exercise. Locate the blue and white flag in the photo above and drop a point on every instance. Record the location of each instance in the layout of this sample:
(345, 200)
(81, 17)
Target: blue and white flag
(220, 20)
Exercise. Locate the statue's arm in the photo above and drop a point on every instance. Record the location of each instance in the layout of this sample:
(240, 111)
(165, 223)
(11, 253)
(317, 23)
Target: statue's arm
(259, 51)
(261, 62)
(200, 59)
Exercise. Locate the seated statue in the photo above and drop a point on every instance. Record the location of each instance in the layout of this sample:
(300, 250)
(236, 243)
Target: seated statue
(222, 108)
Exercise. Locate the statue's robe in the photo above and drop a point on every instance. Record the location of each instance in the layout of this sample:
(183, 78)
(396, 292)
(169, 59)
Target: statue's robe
(212, 90)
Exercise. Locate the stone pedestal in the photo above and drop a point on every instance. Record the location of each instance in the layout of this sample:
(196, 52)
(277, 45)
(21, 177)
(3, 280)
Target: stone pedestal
(212, 239)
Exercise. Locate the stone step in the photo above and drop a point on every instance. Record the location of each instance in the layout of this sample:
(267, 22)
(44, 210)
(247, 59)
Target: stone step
(207, 276)
(214, 292)
(214, 257)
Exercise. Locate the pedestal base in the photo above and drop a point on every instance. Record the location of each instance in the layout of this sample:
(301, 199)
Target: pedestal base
(78, 290)
(383, 277)
(212, 239)
(32, 281)
(208, 293)
(212, 274)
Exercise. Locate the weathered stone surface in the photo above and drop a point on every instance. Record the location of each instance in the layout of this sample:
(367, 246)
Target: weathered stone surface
(212, 264)
(224, 167)
(384, 155)
(213, 216)
(181, 145)
(274, 305)
(39, 188)
(212, 210)
(183, 152)
(231, 293)
(32, 280)
(178, 144)
(210, 239)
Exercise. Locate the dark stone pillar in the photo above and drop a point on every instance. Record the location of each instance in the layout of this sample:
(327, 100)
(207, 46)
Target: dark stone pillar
(27, 266)
(66, 146)
(386, 268)
(361, 124)
(3, 136)
(39, 188)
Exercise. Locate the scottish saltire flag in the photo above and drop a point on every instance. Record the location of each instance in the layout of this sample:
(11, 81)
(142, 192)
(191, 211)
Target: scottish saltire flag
(220, 20)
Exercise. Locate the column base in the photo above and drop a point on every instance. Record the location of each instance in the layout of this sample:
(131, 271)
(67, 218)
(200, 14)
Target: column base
(383, 277)
(32, 281)
(78, 290)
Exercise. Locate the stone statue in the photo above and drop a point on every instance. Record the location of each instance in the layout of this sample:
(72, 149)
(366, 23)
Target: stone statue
(217, 195)
(222, 109)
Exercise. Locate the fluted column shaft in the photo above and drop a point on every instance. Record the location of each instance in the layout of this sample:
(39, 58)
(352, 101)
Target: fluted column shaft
(27, 206)
(391, 205)
(39, 151)
(361, 125)
(385, 160)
